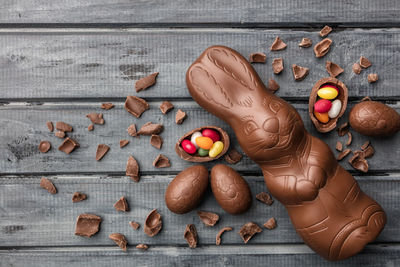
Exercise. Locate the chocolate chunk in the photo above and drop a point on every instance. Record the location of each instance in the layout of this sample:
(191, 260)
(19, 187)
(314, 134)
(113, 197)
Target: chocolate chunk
(299, 73)
(150, 128)
(166, 106)
(265, 198)
(136, 105)
(87, 225)
(146, 82)
(119, 239)
(356, 68)
(270, 224)
(305, 42)
(48, 185)
(107, 106)
(349, 138)
(123, 143)
(132, 130)
(273, 86)
(102, 150)
(191, 235)
(208, 218)
(333, 69)
(77, 197)
(96, 118)
(339, 146)
(257, 58)
(367, 150)
(64, 127)
(90, 127)
(372, 77)
(132, 169)
(68, 145)
(278, 44)
(277, 65)
(161, 162)
(325, 31)
(134, 225)
(59, 134)
(121, 204)
(233, 156)
(50, 126)
(156, 141)
(359, 163)
(142, 246)
(180, 116)
(365, 63)
(153, 223)
(219, 234)
(44, 146)
(248, 231)
(365, 145)
(343, 129)
(322, 48)
(343, 154)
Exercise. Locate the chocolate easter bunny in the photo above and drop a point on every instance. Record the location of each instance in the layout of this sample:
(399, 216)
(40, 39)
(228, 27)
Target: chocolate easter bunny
(325, 204)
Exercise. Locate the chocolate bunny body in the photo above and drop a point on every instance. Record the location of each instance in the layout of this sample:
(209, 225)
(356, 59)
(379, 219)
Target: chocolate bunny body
(326, 206)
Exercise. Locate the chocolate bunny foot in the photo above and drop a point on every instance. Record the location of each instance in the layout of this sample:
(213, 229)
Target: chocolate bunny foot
(326, 206)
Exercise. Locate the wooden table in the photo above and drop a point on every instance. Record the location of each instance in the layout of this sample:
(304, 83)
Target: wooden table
(60, 60)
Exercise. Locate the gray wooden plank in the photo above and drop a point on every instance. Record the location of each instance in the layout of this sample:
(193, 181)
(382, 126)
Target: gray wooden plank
(30, 216)
(91, 64)
(256, 12)
(23, 127)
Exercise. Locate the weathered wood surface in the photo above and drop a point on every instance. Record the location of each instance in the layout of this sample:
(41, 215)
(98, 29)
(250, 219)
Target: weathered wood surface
(77, 64)
(256, 12)
(30, 216)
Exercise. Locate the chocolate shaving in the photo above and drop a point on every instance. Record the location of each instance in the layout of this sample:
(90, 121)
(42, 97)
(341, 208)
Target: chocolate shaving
(273, 86)
(136, 105)
(333, 69)
(87, 225)
(90, 127)
(339, 146)
(59, 134)
(356, 68)
(64, 127)
(134, 225)
(349, 138)
(77, 197)
(132, 130)
(190, 235)
(119, 239)
(299, 73)
(265, 198)
(343, 154)
(218, 237)
(156, 141)
(161, 162)
(132, 169)
(365, 63)
(48, 185)
(278, 44)
(343, 129)
(142, 246)
(248, 231)
(68, 145)
(166, 106)
(180, 116)
(233, 156)
(107, 106)
(96, 118)
(325, 31)
(270, 224)
(146, 82)
(50, 126)
(44, 146)
(208, 218)
(277, 65)
(150, 128)
(121, 204)
(359, 163)
(153, 223)
(372, 77)
(123, 143)
(322, 48)
(305, 42)
(257, 58)
(102, 150)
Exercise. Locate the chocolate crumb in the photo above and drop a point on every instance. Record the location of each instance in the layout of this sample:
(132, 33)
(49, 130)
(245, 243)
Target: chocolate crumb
(119, 239)
(305, 42)
(107, 106)
(208, 218)
(48, 185)
(153, 223)
(123, 143)
(248, 231)
(219, 234)
(90, 127)
(359, 163)
(50, 126)
(343, 129)
(273, 86)
(270, 224)
(161, 162)
(180, 116)
(278, 44)
(349, 138)
(150, 128)
(372, 77)
(68, 145)
(64, 127)
(132, 130)
(265, 198)
(365, 63)
(356, 68)
(339, 146)
(134, 225)
(44, 146)
(257, 58)
(77, 197)
(343, 154)
(166, 106)
(299, 73)
(102, 150)
(132, 169)
(96, 118)
(277, 65)
(156, 141)
(121, 204)
(233, 156)
(136, 105)
(325, 31)
(323, 47)
(333, 69)
(190, 235)
(87, 225)
(146, 82)
(142, 246)
(59, 134)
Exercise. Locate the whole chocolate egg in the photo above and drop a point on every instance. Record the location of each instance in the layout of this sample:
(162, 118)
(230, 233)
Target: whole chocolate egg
(230, 189)
(187, 189)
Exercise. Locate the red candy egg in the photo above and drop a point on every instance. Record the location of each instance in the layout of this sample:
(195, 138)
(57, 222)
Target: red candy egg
(322, 106)
(211, 134)
(188, 146)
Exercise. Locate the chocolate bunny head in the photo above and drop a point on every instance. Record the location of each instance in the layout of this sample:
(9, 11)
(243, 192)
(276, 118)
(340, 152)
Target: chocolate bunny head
(225, 84)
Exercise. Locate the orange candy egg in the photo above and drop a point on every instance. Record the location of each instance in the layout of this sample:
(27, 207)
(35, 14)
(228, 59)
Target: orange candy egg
(204, 142)
(322, 117)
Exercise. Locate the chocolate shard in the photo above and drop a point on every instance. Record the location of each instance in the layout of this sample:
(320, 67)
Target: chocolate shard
(90, 127)
(349, 138)
(87, 225)
(142, 246)
(277, 65)
(305, 42)
(180, 116)
(44, 146)
(59, 134)
(161, 161)
(233, 156)
(372, 77)
(367, 150)
(365, 63)
(219, 234)
(339, 146)
(333, 69)
(359, 163)
(257, 58)
(136, 105)
(190, 235)
(107, 106)
(150, 128)
(146, 82)
(356, 68)
(78, 196)
(96, 118)
(132, 130)
(299, 73)
(68, 145)
(102, 150)
(64, 127)
(248, 230)
(325, 31)
(119, 239)
(265, 198)
(273, 86)
(48, 185)
(121, 204)
(343, 129)
(156, 141)
(153, 223)
(278, 44)
(365, 145)
(322, 48)
(343, 154)
(134, 225)
(123, 143)
(208, 218)
(270, 224)
(132, 169)
(166, 106)
(50, 126)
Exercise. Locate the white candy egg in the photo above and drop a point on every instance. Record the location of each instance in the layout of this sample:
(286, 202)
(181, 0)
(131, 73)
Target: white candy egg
(335, 109)
(193, 138)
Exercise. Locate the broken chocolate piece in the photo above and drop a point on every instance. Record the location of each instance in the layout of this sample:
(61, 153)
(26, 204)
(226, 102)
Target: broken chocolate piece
(365, 145)
(299, 73)
(132, 169)
(153, 223)
(50, 126)
(90, 127)
(123, 143)
(325, 31)
(102, 150)
(107, 106)
(161, 162)
(146, 82)
(218, 237)
(208, 218)
(343, 154)
(349, 139)
(64, 127)
(121, 204)
(190, 235)
(180, 116)
(365, 63)
(372, 77)
(44, 146)
(233, 156)
(277, 65)
(119, 239)
(343, 129)
(156, 141)
(77, 197)
(87, 225)
(136, 105)
(356, 68)
(359, 163)
(322, 48)
(96, 118)
(150, 128)
(339, 146)
(134, 225)
(59, 134)
(248, 231)
(142, 246)
(278, 44)
(333, 69)
(48, 185)
(273, 86)
(367, 150)
(257, 58)
(366, 98)
(265, 198)
(305, 42)
(132, 130)
(270, 224)
(166, 106)
(68, 145)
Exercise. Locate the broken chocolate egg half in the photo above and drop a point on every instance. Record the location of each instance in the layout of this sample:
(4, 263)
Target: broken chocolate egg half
(224, 138)
(341, 96)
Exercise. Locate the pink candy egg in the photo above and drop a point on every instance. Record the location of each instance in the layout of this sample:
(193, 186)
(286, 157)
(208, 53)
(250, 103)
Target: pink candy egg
(322, 106)
(211, 134)
(188, 146)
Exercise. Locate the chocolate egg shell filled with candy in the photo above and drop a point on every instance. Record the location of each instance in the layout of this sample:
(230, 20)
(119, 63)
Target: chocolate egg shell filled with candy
(342, 96)
(196, 157)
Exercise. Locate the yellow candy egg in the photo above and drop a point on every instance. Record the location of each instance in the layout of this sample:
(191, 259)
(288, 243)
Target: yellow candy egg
(327, 92)
(216, 148)
(204, 142)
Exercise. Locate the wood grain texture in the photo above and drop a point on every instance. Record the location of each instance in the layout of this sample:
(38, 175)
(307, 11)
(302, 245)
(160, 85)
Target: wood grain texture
(73, 64)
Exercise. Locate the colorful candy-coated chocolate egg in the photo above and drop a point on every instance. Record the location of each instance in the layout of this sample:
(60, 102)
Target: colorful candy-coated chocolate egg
(204, 142)
(330, 86)
(202, 152)
(335, 109)
(212, 134)
(322, 117)
(327, 93)
(193, 138)
(322, 106)
(216, 148)
(188, 146)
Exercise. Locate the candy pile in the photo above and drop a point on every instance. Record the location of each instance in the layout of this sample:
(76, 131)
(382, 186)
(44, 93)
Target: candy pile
(205, 143)
(324, 107)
